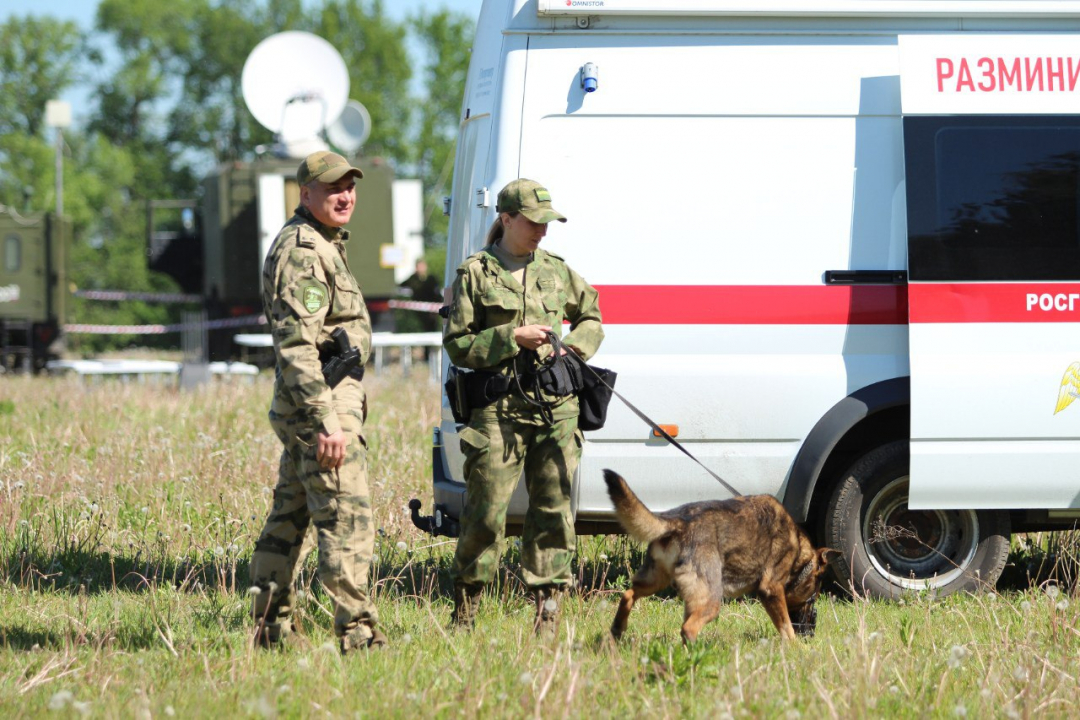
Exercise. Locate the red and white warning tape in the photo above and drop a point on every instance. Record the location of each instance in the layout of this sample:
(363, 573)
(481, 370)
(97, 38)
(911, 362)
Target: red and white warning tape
(431, 307)
(246, 321)
(144, 296)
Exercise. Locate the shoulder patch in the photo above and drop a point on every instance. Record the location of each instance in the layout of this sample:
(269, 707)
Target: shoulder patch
(312, 294)
(303, 239)
(469, 262)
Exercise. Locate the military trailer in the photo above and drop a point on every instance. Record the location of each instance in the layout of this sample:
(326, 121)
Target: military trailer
(243, 207)
(33, 288)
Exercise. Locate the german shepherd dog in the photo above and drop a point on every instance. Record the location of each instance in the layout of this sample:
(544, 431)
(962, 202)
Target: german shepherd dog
(722, 549)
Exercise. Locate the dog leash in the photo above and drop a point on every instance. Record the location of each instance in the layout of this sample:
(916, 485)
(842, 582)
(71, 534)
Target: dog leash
(557, 345)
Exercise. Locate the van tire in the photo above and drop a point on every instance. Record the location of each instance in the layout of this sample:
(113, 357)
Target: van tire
(953, 551)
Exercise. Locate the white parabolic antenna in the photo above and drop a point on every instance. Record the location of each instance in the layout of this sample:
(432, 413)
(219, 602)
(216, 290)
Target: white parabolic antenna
(295, 84)
(351, 129)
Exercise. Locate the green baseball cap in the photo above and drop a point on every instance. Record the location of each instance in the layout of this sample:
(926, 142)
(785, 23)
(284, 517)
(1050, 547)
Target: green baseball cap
(529, 198)
(325, 166)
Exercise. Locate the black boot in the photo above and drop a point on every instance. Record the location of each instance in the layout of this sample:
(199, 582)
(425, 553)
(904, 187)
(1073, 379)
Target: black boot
(466, 602)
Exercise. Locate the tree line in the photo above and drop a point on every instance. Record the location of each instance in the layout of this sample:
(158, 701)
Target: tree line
(166, 106)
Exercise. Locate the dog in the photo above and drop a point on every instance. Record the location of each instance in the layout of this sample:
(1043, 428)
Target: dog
(722, 549)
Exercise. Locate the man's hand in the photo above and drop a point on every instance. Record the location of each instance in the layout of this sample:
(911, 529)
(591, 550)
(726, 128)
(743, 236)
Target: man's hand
(331, 449)
(531, 337)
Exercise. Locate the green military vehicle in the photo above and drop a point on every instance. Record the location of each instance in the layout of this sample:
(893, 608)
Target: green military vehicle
(33, 288)
(244, 205)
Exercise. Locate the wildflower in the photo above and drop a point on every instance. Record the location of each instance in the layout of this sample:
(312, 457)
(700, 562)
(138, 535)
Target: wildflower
(874, 637)
(525, 678)
(60, 700)
(283, 689)
(1011, 712)
(303, 663)
(83, 708)
(402, 546)
(94, 507)
(956, 656)
(170, 711)
(1025, 606)
(793, 714)
(185, 527)
(1020, 673)
(603, 557)
(266, 491)
(254, 590)
(144, 510)
(1063, 604)
(960, 711)
(894, 689)
(219, 551)
(19, 486)
(1052, 591)
(405, 639)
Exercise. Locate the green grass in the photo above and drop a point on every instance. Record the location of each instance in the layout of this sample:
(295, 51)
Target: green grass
(127, 518)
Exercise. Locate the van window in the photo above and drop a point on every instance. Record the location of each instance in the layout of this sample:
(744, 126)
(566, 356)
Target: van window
(993, 198)
(12, 253)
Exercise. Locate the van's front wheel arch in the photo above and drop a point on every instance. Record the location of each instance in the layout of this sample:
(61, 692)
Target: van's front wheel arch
(886, 549)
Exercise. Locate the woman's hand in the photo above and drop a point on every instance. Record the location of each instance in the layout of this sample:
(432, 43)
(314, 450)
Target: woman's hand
(530, 337)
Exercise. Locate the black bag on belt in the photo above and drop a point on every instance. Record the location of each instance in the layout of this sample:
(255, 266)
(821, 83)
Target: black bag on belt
(592, 385)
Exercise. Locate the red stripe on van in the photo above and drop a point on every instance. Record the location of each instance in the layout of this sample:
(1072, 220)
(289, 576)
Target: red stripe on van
(753, 304)
(994, 302)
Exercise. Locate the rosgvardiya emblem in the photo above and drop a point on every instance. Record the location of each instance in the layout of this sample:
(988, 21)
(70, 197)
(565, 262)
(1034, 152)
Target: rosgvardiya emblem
(1070, 387)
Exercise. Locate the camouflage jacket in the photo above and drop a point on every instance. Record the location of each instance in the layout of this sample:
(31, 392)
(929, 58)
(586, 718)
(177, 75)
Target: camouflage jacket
(308, 292)
(488, 304)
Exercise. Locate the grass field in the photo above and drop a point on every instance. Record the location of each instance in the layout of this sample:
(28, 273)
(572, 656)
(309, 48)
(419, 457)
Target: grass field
(127, 518)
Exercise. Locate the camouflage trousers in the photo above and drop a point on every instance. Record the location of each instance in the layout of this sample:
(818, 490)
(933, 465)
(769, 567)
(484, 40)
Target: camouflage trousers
(337, 503)
(496, 450)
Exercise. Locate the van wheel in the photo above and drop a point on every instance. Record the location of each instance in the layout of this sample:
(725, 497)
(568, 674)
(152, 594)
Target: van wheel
(887, 549)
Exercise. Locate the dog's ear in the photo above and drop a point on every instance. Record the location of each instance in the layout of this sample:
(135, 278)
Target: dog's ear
(826, 555)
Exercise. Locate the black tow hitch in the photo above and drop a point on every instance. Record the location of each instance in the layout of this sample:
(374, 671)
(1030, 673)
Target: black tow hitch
(438, 524)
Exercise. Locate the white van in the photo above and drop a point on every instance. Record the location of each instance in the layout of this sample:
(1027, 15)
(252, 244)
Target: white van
(837, 243)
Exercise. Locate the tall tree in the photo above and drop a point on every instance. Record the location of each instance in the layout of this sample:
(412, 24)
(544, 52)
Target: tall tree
(446, 38)
(373, 46)
(38, 60)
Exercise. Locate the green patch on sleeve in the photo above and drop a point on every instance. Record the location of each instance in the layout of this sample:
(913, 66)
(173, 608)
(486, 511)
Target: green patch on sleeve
(313, 295)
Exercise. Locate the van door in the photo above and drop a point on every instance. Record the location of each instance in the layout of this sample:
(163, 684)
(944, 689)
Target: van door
(994, 306)
(992, 163)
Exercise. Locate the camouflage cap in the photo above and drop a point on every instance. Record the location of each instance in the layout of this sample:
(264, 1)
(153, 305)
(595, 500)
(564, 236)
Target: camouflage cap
(529, 198)
(325, 166)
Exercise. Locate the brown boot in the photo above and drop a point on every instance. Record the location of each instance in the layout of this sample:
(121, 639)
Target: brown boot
(363, 637)
(274, 635)
(547, 598)
(466, 602)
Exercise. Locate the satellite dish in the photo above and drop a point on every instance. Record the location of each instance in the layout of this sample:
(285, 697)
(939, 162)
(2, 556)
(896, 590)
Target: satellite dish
(351, 129)
(295, 84)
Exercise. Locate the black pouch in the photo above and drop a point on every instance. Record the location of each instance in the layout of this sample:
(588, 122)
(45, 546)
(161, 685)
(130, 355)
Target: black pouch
(594, 396)
(559, 378)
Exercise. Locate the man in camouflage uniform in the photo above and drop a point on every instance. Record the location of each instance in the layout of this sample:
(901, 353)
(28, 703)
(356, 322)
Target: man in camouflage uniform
(505, 300)
(308, 292)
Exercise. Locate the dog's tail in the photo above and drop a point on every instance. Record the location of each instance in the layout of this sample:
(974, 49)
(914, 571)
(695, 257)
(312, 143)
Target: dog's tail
(639, 521)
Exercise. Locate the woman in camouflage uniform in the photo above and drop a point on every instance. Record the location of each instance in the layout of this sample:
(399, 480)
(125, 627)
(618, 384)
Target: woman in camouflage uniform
(506, 299)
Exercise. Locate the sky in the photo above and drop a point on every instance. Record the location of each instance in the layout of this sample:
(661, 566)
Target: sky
(82, 12)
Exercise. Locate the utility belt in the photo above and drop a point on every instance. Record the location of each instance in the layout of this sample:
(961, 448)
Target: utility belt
(470, 390)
